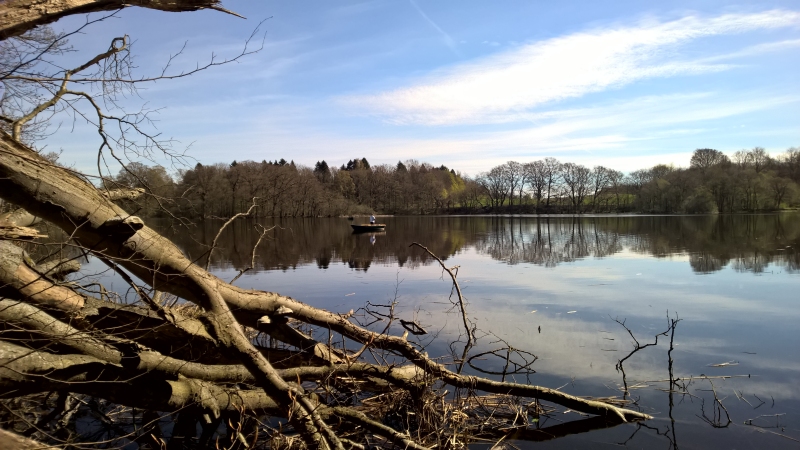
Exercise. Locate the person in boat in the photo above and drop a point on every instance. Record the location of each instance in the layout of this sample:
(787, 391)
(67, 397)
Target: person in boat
(372, 219)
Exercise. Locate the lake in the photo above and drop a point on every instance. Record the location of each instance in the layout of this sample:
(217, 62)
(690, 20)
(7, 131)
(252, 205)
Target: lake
(553, 286)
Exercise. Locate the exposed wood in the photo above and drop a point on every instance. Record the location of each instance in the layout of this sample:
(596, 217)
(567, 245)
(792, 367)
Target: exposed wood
(12, 440)
(19, 16)
(19, 233)
(124, 194)
(18, 217)
(19, 280)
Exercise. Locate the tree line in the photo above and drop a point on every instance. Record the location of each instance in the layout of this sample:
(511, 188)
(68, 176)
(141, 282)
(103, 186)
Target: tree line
(750, 180)
(285, 189)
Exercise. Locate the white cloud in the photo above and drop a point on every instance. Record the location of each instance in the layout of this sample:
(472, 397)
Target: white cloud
(500, 87)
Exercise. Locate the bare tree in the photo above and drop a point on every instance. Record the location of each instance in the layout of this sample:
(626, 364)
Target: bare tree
(791, 159)
(577, 182)
(759, 158)
(616, 179)
(551, 172)
(516, 180)
(534, 174)
(601, 177)
(704, 158)
(497, 184)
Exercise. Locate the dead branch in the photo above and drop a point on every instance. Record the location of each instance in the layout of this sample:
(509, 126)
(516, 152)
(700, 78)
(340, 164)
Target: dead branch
(718, 408)
(637, 347)
(58, 268)
(124, 194)
(19, 16)
(225, 225)
(13, 440)
(19, 233)
(467, 328)
(252, 266)
(21, 281)
(392, 435)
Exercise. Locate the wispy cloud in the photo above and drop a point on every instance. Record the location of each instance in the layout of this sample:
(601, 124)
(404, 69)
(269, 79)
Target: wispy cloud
(626, 135)
(759, 49)
(502, 87)
(446, 37)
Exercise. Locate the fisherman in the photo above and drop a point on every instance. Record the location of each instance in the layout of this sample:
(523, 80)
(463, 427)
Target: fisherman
(372, 219)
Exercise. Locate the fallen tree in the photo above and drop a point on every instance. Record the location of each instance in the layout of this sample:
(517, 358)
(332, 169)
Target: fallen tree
(209, 364)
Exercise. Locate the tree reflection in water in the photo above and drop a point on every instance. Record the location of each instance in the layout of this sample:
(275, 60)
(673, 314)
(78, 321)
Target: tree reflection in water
(709, 244)
(748, 243)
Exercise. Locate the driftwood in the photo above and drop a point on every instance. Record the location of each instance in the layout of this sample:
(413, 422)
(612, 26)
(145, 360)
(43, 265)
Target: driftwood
(20, 233)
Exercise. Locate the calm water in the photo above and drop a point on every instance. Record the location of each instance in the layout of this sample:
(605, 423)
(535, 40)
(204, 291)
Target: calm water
(553, 285)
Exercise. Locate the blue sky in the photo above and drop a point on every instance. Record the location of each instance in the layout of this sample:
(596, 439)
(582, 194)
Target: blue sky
(468, 84)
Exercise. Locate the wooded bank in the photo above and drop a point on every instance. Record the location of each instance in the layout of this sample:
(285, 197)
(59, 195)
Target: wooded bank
(751, 181)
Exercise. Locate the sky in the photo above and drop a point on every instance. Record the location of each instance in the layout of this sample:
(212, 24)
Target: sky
(467, 84)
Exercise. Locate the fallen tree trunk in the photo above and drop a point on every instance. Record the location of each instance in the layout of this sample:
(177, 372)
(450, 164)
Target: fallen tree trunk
(56, 195)
(20, 280)
(99, 225)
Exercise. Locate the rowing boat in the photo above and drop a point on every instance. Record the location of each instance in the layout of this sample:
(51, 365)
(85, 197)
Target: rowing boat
(365, 227)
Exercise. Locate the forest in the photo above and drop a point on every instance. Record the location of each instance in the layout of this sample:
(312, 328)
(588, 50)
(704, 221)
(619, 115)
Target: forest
(750, 180)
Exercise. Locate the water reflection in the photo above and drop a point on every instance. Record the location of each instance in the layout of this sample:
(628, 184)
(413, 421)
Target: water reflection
(747, 243)
(566, 316)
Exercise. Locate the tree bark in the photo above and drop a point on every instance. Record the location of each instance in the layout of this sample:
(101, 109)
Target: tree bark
(19, 280)
(19, 16)
(15, 441)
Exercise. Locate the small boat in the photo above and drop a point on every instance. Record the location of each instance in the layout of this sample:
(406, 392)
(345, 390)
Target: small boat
(366, 227)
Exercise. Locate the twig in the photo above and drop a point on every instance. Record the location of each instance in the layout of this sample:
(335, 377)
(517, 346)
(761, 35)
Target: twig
(470, 337)
(253, 257)
(219, 233)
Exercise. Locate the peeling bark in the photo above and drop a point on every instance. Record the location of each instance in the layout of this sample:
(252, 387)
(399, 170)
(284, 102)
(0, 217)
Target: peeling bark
(19, 218)
(124, 194)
